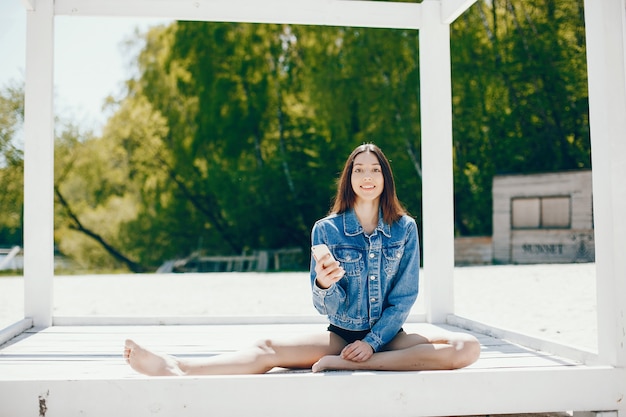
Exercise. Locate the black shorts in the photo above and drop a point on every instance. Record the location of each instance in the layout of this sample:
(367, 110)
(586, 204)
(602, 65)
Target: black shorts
(350, 336)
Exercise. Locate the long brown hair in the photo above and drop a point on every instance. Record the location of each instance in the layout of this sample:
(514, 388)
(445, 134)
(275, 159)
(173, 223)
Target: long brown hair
(345, 198)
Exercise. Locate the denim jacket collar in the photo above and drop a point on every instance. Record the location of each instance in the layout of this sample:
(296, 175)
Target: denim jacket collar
(352, 227)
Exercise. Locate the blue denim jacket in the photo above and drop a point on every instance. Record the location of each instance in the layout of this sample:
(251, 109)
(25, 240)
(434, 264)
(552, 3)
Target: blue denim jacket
(382, 274)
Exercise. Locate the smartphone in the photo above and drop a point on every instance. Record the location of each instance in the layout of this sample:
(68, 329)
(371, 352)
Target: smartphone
(319, 251)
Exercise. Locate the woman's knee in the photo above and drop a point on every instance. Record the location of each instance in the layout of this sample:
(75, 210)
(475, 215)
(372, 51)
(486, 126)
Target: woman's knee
(264, 353)
(467, 350)
(264, 348)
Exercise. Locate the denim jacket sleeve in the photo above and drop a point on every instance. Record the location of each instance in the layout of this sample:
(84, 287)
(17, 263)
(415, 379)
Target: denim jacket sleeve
(325, 301)
(401, 296)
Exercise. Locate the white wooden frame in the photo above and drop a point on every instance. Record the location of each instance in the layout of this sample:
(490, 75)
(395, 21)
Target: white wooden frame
(605, 26)
(432, 18)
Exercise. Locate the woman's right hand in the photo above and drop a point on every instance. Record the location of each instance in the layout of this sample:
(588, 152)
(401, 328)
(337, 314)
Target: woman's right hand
(327, 272)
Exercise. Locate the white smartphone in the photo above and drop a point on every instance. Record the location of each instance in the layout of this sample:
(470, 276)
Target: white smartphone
(319, 251)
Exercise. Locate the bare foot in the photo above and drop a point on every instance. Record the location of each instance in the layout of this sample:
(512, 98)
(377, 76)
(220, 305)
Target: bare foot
(150, 363)
(334, 363)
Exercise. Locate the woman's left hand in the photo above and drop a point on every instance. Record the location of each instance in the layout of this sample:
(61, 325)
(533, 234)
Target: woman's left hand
(358, 351)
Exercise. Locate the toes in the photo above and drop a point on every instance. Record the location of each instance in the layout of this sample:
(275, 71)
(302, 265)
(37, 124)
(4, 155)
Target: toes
(130, 344)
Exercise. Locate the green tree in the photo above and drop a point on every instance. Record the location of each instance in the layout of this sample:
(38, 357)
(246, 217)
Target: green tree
(520, 98)
(231, 135)
(93, 199)
(11, 164)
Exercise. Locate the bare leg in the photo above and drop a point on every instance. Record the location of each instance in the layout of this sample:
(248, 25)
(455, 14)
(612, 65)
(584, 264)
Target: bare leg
(413, 352)
(300, 352)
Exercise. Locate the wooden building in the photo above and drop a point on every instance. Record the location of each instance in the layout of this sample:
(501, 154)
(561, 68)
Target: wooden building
(543, 218)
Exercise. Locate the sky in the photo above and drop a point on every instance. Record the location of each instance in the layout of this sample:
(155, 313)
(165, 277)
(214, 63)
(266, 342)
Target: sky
(90, 62)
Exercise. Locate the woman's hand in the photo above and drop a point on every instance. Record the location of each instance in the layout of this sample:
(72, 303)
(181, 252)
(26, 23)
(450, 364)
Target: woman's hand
(358, 351)
(327, 272)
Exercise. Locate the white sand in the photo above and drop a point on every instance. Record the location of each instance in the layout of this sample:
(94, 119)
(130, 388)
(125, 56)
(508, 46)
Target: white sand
(556, 302)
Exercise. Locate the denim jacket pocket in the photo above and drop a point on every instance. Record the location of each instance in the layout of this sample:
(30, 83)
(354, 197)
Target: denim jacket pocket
(350, 259)
(392, 256)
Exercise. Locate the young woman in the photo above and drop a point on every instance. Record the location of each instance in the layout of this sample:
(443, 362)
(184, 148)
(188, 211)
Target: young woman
(366, 288)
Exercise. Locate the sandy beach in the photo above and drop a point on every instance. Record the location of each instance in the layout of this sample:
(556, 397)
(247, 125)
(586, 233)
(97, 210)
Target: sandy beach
(555, 302)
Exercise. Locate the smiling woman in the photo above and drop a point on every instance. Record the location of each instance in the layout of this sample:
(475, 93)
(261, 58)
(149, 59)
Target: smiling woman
(372, 161)
(366, 287)
(367, 177)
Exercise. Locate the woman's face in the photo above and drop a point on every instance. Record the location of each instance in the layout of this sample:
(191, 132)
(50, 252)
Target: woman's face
(367, 177)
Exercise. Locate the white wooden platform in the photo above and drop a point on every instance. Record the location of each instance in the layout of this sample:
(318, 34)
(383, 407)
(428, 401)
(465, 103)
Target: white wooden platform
(79, 370)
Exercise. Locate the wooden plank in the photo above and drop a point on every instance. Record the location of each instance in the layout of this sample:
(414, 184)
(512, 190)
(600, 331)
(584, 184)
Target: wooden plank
(552, 246)
(184, 320)
(438, 184)
(88, 347)
(14, 330)
(62, 363)
(9, 257)
(435, 393)
(606, 61)
(473, 250)
(580, 355)
(356, 13)
(414, 317)
(39, 164)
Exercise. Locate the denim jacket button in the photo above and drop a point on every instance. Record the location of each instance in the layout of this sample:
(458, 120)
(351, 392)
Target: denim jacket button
(372, 299)
(373, 277)
(372, 255)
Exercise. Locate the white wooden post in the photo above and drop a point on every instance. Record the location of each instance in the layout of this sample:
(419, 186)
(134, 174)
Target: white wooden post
(606, 60)
(39, 164)
(437, 186)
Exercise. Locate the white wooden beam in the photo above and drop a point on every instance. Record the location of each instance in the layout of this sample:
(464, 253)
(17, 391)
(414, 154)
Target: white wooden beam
(29, 5)
(451, 9)
(14, 329)
(356, 13)
(398, 394)
(39, 165)
(437, 185)
(606, 38)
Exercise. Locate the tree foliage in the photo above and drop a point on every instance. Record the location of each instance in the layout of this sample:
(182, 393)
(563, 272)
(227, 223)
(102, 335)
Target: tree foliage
(11, 164)
(231, 136)
(520, 97)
